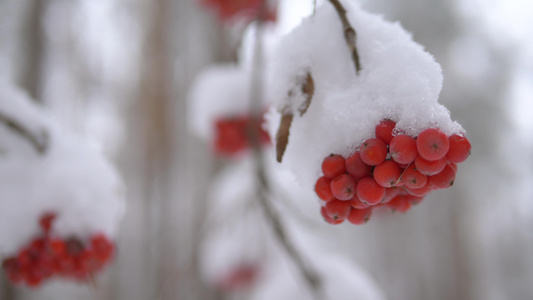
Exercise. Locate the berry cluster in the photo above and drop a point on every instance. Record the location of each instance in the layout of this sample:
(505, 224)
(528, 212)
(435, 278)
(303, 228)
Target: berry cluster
(230, 9)
(239, 278)
(231, 134)
(392, 170)
(48, 256)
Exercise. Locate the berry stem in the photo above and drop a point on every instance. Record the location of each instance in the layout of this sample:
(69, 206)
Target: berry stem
(349, 33)
(39, 142)
(401, 175)
(263, 188)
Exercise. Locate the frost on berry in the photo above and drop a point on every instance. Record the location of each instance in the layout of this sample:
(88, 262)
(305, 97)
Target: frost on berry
(420, 192)
(369, 191)
(444, 179)
(427, 167)
(328, 218)
(373, 151)
(359, 216)
(432, 144)
(337, 209)
(387, 174)
(343, 187)
(355, 202)
(333, 166)
(413, 179)
(323, 189)
(356, 167)
(402, 149)
(399, 203)
(459, 149)
(384, 130)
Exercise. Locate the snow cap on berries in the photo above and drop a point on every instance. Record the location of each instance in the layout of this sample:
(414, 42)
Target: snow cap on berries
(398, 81)
(70, 178)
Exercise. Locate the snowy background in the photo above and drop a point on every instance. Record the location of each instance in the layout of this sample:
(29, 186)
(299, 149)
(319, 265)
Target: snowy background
(119, 75)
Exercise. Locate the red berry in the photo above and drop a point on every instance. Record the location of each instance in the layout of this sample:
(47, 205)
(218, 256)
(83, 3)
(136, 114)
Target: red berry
(420, 191)
(402, 149)
(459, 149)
(329, 219)
(356, 203)
(343, 187)
(333, 166)
(391, 193)
(444, 179)
(432, 144)
(230, 136)
(102, 247)
(356, 167)
(428, 167)
(323, 189)
(399, 203)
(384, 130)
(369, 191)
(338, 210)
(413, 179)
(373, 151)
(359, 216)
(387, 174)
(46, 221)
(454, 166)
(414, 200)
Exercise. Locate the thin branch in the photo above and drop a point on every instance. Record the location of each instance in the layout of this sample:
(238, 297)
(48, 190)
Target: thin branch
(40, 143)
(314, 7)
(309, 275)
(349, 33)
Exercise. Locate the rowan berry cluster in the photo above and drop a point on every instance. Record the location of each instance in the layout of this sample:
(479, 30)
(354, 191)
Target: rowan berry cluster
(241, 277)
(392, 170)
(228, 10)
(231, 134)
(47, 256)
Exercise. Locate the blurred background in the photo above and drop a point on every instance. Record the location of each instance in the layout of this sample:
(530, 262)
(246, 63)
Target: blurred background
(119, 72)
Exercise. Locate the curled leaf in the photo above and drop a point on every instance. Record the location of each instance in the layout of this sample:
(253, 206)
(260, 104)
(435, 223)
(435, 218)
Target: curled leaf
(282, 136)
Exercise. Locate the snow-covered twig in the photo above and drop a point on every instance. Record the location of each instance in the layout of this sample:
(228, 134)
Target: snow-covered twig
(40, 143)
(309, 275)
(349, 33)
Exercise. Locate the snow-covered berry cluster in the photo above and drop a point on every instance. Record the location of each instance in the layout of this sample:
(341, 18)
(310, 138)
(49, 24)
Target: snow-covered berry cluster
(232, 134)
(47, 256)
(395, 170)
(228, 10)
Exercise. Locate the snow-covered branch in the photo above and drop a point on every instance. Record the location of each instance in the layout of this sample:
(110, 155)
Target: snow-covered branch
(38, 141)
(349, 33)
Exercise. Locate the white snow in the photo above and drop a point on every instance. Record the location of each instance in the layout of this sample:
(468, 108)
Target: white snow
(71, 179)
(398, 80)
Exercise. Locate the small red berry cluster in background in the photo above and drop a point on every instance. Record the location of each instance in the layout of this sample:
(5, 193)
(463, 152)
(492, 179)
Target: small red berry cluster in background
(231, 134)
(392, 170)
(239, 278)
(247, 9)
(48, 256)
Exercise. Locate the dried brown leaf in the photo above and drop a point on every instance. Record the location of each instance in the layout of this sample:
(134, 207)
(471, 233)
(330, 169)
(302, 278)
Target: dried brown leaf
(308, 89)
(282, 136)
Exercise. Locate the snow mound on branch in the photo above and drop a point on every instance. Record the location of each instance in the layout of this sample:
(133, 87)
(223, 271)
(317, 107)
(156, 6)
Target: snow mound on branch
(219, 91)
(70, 178)
(398, 80)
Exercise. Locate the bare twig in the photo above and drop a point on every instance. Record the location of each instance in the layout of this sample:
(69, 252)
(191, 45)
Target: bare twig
(309, 275)
(39, 142)
(349, 33)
